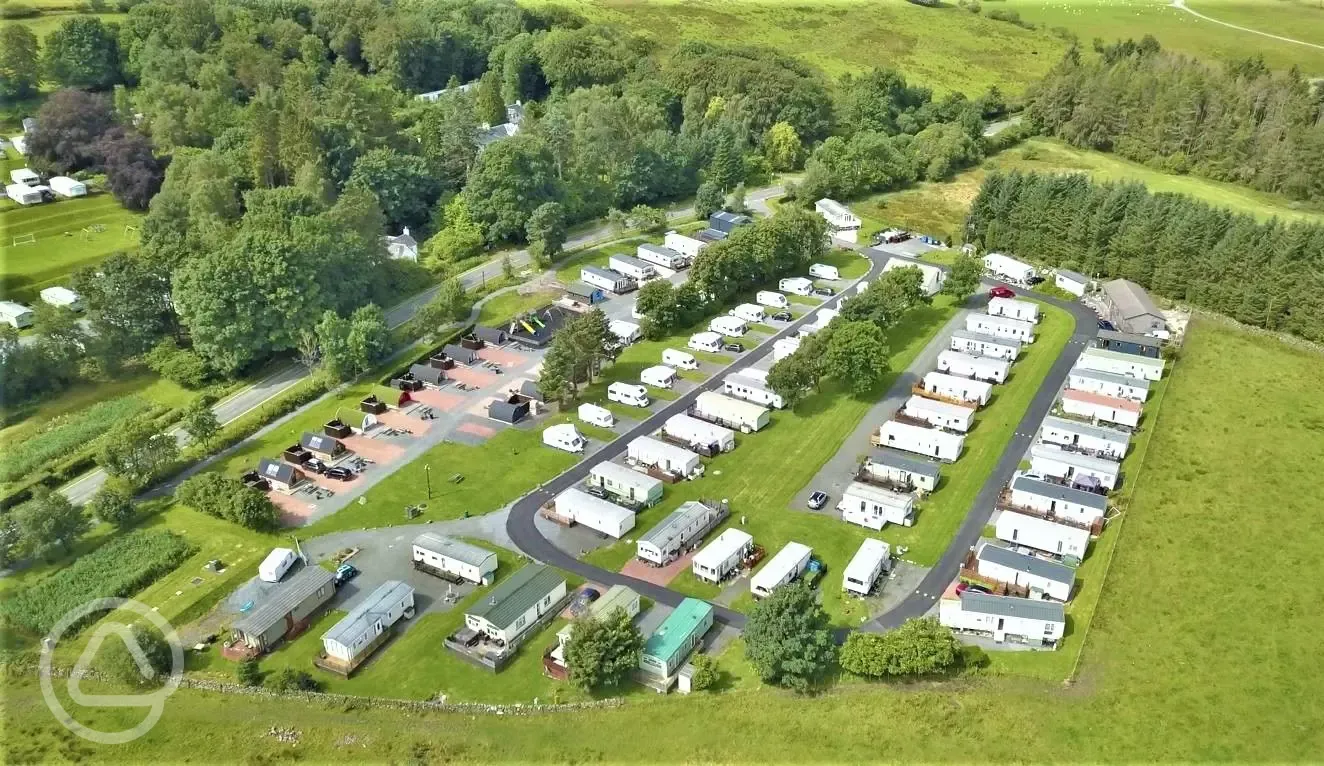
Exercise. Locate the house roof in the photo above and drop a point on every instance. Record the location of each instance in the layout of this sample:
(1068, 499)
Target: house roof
(12, 309)
(1031, 565)
(1123, 357)
(1002, 321)
(669, 528)
(361, 618)
(1101, 400)
(1129, 298)
(623, 475)
(1059, 492)
(496, 133)
(458, 352)
(1051, 451)
(583, 289)
(1007, 606)
(1074, 276)
(673, 635)
(1086, 429)
(404, 238)
(511, 598)
(1126, 337)
(505, 411)
(275, 469)
(287, 596)
(604, 273)
(659, 249)
(459, 550)
(494, 335)
(894, 459)
(833, 207)
(725, 216)
(427, 373)
(1110, 377)
(879, 495)
(866, 558)
(319, 442)
(710, 235)
(986, 338)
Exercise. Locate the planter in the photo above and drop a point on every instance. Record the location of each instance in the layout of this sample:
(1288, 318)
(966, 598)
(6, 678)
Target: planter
(372, 405)
(337, 429)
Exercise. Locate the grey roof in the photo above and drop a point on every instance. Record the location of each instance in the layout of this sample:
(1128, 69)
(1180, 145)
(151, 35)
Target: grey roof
(1130, 299)
(507, 412)
(1051, 451)
(1074, 276)
(361, 618)
(275, 469)
(1031, 565)
(403, 239)
(320, 442)
(459, 353)
(1059, 492)
(287, 597)
(986, 338)
(1109, 377)
(1126, 337)
(583, 289)
(659, 249)
(427, 373)
(465, 553)
(670, 527)
(632, 261)
(516, 595)
(894, 459)
(495, 133)
(493, 335)
(725, 216)
(1007, 606)
(605, 273)
(711, 235)
(1085, 429)
(530, 389)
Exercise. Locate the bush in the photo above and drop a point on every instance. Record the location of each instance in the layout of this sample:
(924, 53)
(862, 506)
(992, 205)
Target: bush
(248, 673)
(705, 672)
(65, 435)
(226, 497)
(291, 680)
(178, 365)
(1009, 16)
(117, 662)
(918, 648)
(113, 504)
(18, 11)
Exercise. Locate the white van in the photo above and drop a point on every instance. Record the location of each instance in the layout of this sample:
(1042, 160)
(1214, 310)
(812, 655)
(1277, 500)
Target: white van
(749, 312)
(728, 325)
(276, 564)
(628, 393)
(824, 271)
(658, 376)
(796, 286)
(596, 416)
(706, 341)
(772, 299)
(679, 359)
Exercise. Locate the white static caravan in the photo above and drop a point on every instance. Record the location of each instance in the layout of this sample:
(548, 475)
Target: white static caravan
(456, 557)
(1009, 268)
(681, 360)
(984, 368)
(660, 256)
(751, 389)
(784, 567)
(874, 507)
(841, 222)
(628, 393)
(686, 246)
(730, 412)
(593, 512)
(596, 416)
(934, 277)
(722, 556)
(647, 451)
(1023, 620)
(626, 483)
(1045, 579)
(1056, 500)
(929, 442)
(965, 389)
(20, 144)
(784, 347)
(772, 299)
(1011, 308)
(953, 417)
(667, 541)
(1041, 534)
(824, 271)
(1075, 468)
(872, 559)
(23, 194)
(606, 279)
(354, 637)
(658, 376)
(1000, 327)
(979, 344)
(796, 286)
(25, 176)
(276, 564)
(1108, 384)
(706, 341)
(565, 437)
(1073, 282)
(631, 267)
(625, 332)
(1123, 412)
(749, 312)
(699, 433)
(901, 468)
(67, 187)
(1096, 440)
(1118, 363)
(728, 325)
(62, 297)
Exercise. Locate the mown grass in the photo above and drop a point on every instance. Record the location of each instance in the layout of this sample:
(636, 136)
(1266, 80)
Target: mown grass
(60, 248)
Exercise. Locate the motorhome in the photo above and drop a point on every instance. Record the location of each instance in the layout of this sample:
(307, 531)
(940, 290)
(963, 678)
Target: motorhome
(658, 376)
(628, 393)
(771, 299)
(681, 360)
(706, 341)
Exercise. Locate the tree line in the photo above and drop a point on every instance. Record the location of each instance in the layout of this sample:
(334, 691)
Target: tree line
(1267, 274)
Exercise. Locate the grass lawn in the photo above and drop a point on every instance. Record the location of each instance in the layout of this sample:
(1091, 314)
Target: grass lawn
(147, 386)
(501, 308)
(60, 248)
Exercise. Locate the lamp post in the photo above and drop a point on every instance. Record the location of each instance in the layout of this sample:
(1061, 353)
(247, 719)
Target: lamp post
(427, 475)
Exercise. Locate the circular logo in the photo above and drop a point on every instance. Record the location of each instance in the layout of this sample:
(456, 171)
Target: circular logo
(154, 700)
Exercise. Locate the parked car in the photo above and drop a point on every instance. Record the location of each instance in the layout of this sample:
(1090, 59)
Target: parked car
(342, 474)
(1001, 292)
(782, 316)
(596, 491)
(962, 587)
(734, 347)
(1104, 324)
(345, 573)
(817, 500)
(826, 292)
(315, 465)
(582, 600)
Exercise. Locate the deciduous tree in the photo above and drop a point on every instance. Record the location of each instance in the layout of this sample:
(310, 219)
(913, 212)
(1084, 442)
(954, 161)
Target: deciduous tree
(787, 638)
(82, 53)
(963, 279)
(47, 524)
(199, 421)
(546, 232)
(857, 355)
(117, 661)
(603, 651)
(920, 647)
(113, 503)
(135, 451)
(20, 63)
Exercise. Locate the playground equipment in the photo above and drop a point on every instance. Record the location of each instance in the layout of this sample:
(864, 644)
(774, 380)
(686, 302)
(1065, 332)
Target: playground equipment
(528, 327)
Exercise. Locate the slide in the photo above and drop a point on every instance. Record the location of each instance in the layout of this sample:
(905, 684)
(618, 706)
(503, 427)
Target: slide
(537, 321)
(528, 327)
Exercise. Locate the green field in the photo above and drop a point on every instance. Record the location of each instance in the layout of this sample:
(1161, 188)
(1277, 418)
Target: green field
(61, 245)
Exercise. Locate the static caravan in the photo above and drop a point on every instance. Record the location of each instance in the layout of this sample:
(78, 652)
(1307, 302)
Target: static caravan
(565, 437)
(626, 483)
(1118, 363)
(681, 360)
(628, 393)
(593, 512)
(824, 271)
(872, 560)
(1009, 268)
(984, 368)
(754, 373)
(730, 412)
(23, 194)
(16, 315)
(751, 389)
(658, 376)
(1041, 534)
(796, 286)
(903, 469)
(706, 341)
(1126, 343)
(658, 255)
(1108, 384)
(352, 640)
(1021, 620)
(722, 556)
(625, 332)
(939, 414)
(62, 297)
(670, 645)
(749, 312)
(1056, 500)
(1014, 309)
(1096, 440)
(67, 187)
(25, 176)
(1000, 327)
(1108, 409)
(631, 267)
(276, 564)
(874, 507)
(700, 433)
(1045, 579)
(606, 279)
(933, 276)
(1071, 281)
(596, 416)
(517, 603)
(979, 344)
(647, 451)
(784, 347)
(287, 610)
(686, 246)
(965, 389)
(841, 222)
(784, 567)
(929, 442)
(675, 534)
(771, 299)
(454, 557)
(1075, 468)
(728, 325)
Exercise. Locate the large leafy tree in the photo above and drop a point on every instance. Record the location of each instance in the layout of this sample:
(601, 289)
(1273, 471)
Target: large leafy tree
(116, 661)
(69, 125)
(788, 639)
(47, 525)
(857, 355)
(136, 451)
(447, 131)
(782, 147)
(510, 180)
(489, 106)
(199, 421)
(403, 184)
(82, 53)
(20, 63)
(546, 231)
(919, 647)
(603, 652)
(963, 279)
(128, 304)
(113, 503)
(133, 172)
(459, 236)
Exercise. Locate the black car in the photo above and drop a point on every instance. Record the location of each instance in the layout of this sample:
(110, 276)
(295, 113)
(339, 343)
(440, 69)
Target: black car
(783, 316)
(817, 500)
(735, 347)
(824, 291)
(315, 465)
(1104, 324)
(596, 491)
(343, 474)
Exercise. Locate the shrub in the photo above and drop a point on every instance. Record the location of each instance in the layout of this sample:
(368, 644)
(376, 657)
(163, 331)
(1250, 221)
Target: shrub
(179, 365)
(918, 648)
(705, 672)
(117, 662)
(65, 435)
(225, 497)
(248, 673)
(18, 11)
(291, 680)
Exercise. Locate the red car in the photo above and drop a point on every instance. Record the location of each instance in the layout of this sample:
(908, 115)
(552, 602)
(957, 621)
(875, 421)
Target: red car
(962, 587)
(1001, 292)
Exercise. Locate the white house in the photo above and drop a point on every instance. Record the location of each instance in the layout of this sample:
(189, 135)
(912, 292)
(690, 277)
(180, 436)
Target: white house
(401, 246)
(966, 365)
(686, 246)
(1041, 534)
(1020, 620)
(728, 411)
(1096, 440)
(1118, 363)
(564, 436)
(787, 565)
(362, 630)
(456, 557)
(67, 187)
(903, 469)
(649, 452)
(1073, 282)
(869, 562)
(626, 483)
(610, 519)
(661, 256)
(516, 603)
(934, 276)
(965, 389)
(979, 344)
(675, 534)
(1075, 468)
(62, 297)
(699, 433)
(1108, 384)
(751, 389)
(631, 267)
(1000, 327)
(1026, 311)
(874, 507)
(929, 442)
(1008, 268)
(1045, 579)
(842, 223)
(1057, 500)
(722, 556)
(784, 347)
(1124, 412)
(939, 414)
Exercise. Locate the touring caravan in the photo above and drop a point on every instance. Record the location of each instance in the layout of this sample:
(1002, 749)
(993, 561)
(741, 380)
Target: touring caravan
(771, 299)
(679, 359)
(564, 437)
(796, 286)
(728, 325)
(596, 416)
(824, 271)
(626, 332)
(628, 393)
(784, 567)
(276, 564)
(658, 376)
(749, 312)
(706, 341)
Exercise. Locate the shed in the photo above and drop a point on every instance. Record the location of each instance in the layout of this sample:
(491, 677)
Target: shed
(874, 507)
(492, 336)
(367, 626)
(507, 412)
(1093, 439)
(940, 414)
(1118, 363)
(681, 528)
(1050, 578)
(626, 483)
(62, 297)
(1041, 534)
(1000, 327)
(1058, 501)
(730, 412)
(1127, 343)
(583, 291)
(528, 389)
(869, 562)
(68, 187)
(1130, 308)
(287, 609)
(515, 604)
(1069, 466)
(282, 476)
(322, 446)
(461, 354)
(665, 651)
(722, 556)
(929, 442)
(981, 344)
(902, 468)
(1108, 384)
(1072, 281)
(726, 221)
(604, 516)
(16, 315)
(964, 389)
(1022, 620)
(428, 374)
(435, 553)
(784, 567)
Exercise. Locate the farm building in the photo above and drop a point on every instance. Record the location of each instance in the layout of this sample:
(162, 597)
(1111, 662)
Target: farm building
(1097, 440)
(322, 446)
(16, 315)
(604, 516)
(1075, 468)
(507, 412)
(727, 222)
(367, 626)
(681, 528)
(1000, 327)
(1129, 344)
(700, 434)
(516, 603)
(1049, 578)
(1108, 384)
(447, 555)
(983, 368)
(730, 412)
(626, 483)
(934, 277)
(281, 476)
(872, 560)
(1073, 282)
(585, 293)
(1118, 363)
(722, 556)
(842, 223)
(784, 347)
(67, 187)
(903, 469)
(929, 442)
(1020, 620)
(784, 567)
(62, 297)
(939, 414)
(606, 279)
(1058, 501)
(287, 610)
(666, 650)
(965, 389)
(1129, 308)
(631, 267)
(686, 246)
(1041, 534)
(874, 507)
(979, 344)
(1099, 407)
(665, 257)
(1011, 308)
(1008, 268)
(654, 453)
(751, 389)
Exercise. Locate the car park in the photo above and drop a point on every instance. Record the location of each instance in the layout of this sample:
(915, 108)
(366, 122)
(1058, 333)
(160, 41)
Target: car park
(733, 347)
(782, 316)
(817, 500)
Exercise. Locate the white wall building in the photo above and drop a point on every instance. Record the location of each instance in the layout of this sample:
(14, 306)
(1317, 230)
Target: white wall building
(979, 344)
(631, 267)
(455, 557)
(565, 437)
(929, 442)
(356, 634)
(67, 187)
(869, 563)
(1097, 440)
(1011, 308)
(722, 556)
(938, 414)
(699, 433)
(658, 376)
(1020, 620)
(1058, 501)
(662, 256)
(1000, 327)
(1045, 579)
(1073, 467)
(728, 325)
(965, 389)
(842, 223)
(681, 529)
(751, 389)
(650, 452)
(1041, 534)
(984, 368)
(874, 507)
(1108, 384)
(62, 297)
(516, 603)
(686, 246)
(606, 279)
(728, 411)
(1124, 412)
(1118, 363)
(593, 512)
(784, 347)
(796, 285)
(1073, 282)
(706, 341)
(903, 469)
(1008, 268)
(784, 567)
